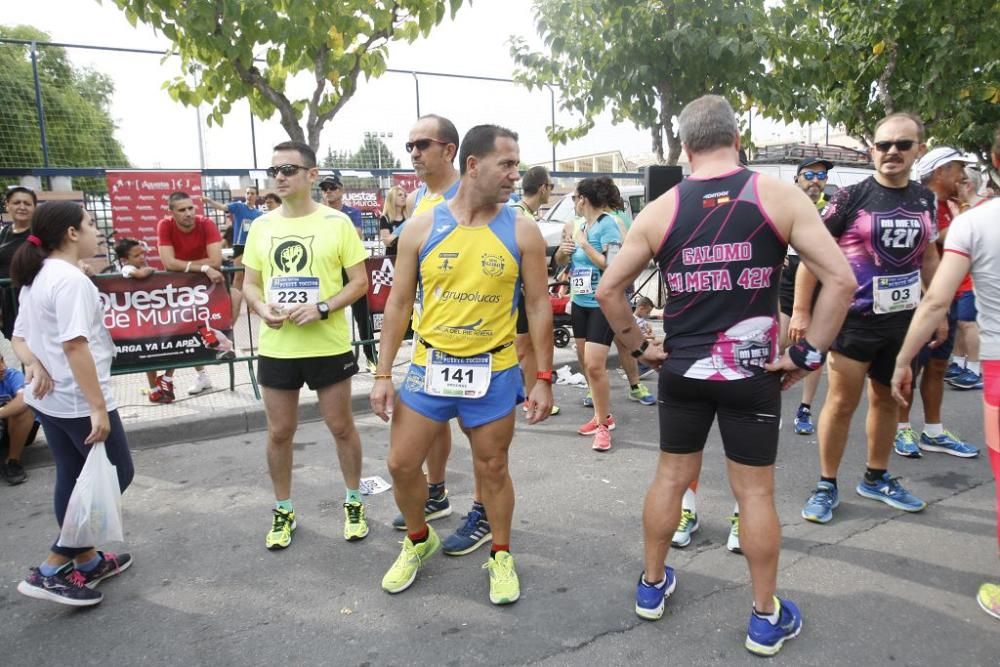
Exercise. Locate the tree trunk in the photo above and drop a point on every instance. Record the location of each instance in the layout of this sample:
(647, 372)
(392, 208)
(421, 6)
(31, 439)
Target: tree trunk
(667, 125)
(657, 131)
(674, 142)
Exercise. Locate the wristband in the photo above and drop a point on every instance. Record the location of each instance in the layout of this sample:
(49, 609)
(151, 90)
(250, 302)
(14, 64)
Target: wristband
(187, 268)
(544, 376)
(378, 376)
(642, 348)
(205, 268)
(805, 356)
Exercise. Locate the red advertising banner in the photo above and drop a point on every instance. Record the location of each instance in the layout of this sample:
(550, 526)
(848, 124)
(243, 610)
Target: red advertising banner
(139, 201)
(408, 182)
(367, 200)
(166, 318)
(380, 274)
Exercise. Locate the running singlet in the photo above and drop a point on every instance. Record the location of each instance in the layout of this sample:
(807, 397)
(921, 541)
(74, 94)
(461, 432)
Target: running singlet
(883, 232)
(243, 217)
(300, 262)
(469, 285)
(583, 273)
(720, 260)
(424, 201)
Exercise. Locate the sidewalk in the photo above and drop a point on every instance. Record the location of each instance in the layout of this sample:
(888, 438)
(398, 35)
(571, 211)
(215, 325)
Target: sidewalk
(219, 412)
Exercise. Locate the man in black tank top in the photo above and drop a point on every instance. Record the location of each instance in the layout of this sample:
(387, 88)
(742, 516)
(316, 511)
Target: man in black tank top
(719, 239)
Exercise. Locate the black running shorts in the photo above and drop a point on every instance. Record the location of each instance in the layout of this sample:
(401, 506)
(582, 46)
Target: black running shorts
(872, 344)
(316, 372)
(749, 413)
(591, 324)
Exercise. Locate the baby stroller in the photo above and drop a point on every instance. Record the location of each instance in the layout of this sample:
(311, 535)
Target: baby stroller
(561, 320)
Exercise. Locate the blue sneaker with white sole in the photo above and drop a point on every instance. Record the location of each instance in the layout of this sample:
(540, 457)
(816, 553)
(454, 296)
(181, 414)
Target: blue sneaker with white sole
(905, 444)
(891, 492)
(650, 599)
(947, 443)
(819, 508)
(766, 639)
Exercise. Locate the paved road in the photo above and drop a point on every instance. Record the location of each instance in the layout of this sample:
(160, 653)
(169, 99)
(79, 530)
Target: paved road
(876, 586)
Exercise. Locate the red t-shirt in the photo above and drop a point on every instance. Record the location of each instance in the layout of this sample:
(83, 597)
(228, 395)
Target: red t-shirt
(190, 245)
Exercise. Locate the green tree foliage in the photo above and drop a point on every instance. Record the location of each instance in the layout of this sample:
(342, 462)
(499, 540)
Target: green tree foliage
(854, 62)
(372, 154)
(331, 43)
(78, 123)
(643, 60)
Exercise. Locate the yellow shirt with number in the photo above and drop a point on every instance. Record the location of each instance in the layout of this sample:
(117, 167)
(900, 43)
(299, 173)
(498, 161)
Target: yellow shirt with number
(317, 245)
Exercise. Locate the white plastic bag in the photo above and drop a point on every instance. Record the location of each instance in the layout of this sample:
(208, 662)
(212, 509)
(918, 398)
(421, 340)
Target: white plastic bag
(94, 514)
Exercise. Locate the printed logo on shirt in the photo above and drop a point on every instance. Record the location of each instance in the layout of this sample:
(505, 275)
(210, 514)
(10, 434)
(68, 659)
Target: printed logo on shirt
(714, 199)
(493, 265)
(292, 254)
(897, 236)
(445, 264)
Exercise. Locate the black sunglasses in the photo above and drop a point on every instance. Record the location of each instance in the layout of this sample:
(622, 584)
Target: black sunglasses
(284, 170)
(422, 144)
(902, 145)
(810, 175)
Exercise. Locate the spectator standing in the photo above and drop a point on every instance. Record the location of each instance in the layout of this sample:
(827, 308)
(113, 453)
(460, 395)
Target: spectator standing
(392, 218)
(333, 196)
(243, 214)
(21, 203)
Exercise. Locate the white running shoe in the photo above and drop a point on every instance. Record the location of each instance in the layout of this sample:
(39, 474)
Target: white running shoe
(201, 383)
(733, 543)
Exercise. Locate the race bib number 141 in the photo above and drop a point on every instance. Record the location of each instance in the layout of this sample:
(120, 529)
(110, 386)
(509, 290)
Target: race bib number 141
(462, 377)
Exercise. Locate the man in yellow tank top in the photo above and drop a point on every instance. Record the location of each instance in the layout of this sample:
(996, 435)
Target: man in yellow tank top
(469, 258)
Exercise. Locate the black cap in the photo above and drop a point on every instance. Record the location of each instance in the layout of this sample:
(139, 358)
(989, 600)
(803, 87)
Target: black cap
(813, 160)
(333, 181)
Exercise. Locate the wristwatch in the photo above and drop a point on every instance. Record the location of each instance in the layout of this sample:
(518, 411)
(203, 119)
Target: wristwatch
(324, 310)
(545, 376)
(642, 348)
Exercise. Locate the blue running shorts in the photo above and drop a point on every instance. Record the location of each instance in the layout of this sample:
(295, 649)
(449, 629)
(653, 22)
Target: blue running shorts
(505, 393)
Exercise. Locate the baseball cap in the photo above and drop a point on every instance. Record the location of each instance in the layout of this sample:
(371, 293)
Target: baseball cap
(938, 157)
(811, 161)
(332, 181)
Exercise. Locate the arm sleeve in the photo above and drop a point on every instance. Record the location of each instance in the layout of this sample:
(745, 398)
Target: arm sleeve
(836, 212)
(163, 233)
(383, 223)
(352, 250)
(74, 300)
(959, 237)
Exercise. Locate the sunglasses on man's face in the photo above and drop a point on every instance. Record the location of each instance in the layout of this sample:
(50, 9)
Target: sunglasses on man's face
(811, 175)
(284, 170)
(902, 145)
(422, 144)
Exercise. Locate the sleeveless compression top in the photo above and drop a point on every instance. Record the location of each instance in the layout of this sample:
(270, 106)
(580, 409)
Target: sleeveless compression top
(720, 260)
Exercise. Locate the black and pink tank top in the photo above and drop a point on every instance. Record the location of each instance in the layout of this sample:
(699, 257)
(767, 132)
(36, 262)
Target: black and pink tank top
(720, 260)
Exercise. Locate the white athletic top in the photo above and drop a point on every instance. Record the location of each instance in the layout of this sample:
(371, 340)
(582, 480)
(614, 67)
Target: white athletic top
(976, 235)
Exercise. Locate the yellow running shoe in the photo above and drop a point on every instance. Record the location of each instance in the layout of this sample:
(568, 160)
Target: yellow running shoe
(402, 573)
(504, 585)
(355, 526)
(282, 527)
(989, 599)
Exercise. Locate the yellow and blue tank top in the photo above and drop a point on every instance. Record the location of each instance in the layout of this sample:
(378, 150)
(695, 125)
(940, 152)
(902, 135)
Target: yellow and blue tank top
(469, 284)
(424, 201)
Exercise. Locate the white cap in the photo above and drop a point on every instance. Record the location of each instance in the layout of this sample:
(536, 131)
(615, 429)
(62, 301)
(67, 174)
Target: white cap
(939, 157)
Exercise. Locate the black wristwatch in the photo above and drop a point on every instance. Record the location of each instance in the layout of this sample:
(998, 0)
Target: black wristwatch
(642, 348)
(324, 310)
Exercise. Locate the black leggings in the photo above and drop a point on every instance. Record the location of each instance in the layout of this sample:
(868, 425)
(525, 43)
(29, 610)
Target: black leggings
(65, 436)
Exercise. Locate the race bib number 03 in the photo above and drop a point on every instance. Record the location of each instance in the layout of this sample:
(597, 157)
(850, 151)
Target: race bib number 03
(462, 377)
(579, 281)
(291, 291)
(894, 294)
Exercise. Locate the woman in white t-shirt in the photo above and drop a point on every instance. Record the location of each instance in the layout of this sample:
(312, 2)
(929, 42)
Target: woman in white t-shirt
(61, 339)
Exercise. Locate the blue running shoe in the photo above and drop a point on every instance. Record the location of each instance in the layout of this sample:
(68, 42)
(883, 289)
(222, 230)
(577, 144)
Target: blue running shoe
(803, 421)
(819, 508)
(434, 508)
(649, 600)
(905, 444)
(947, 443)
(766, 639)
(588, 401)
(954, 370)
(966, 380)
(472, 534)
(891, 492)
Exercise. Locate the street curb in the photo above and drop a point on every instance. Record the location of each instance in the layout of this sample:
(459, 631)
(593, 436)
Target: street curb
(195, 428)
